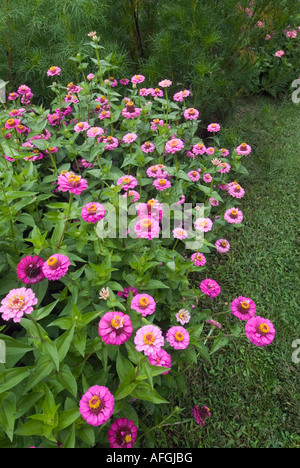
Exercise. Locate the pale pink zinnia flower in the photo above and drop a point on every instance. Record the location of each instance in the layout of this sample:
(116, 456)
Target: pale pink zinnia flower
(53, 71)
(147, 228)
(243, 149)
(161, 184)
(97, 405)
(214, 127)
(183, 316)
(178, 337)
(94, 132)
(279, 53)
(233, 216)
(149, 339)
(56, 267)
(165, 83)
(17, 303)
(129, 138)
(180, 233)
(243, 308)
(210, 287)
(137, 79)
(144, 304)
(115, 328)
(260, 331)
(174, 145)
(81, 126)
(132, 193)
(93, 212)
(203, 224)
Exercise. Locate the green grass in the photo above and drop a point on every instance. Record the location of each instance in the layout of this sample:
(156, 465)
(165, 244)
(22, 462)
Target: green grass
(254, 393)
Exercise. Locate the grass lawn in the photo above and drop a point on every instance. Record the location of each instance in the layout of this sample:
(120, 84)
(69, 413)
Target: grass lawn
(254, 393)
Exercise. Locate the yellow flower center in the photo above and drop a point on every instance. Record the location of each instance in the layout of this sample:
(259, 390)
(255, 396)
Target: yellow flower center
(146, 223)
(245, 305)
(264, 329)
(156, 121)
(95, 402)
(52, 262)
(192, 111)
(52, 69)
(234, 212)
(117, 322)
(74, 180)
(224, 244)
(17, 302)
(127, 438)
(149, 338)
(173, 143)
(11, 121)
(92, 208)
(179, 336)
(162, 181)
(244, 146)
(143, 302)
(126, 180)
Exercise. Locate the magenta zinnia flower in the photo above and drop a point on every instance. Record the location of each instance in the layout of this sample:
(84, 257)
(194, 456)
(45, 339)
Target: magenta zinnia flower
(148, 147)
(178, 337)
(74, 183)
(222, 245)
(122, 434)
(161, 359)
(198, 259)
(97, 405)
(93, 212)
(56, 267)
(174, 145)
(144, 304)
(53, 71)
(127, 182)
(29, 270)
(260, 331)
(81, 126)
(243, 308)
(115, 328)
(194, 176)
(161, 184)
(201, 414)
(210, 287)
(136, 79)
(149, 339)
(17, 303)
(191, 114)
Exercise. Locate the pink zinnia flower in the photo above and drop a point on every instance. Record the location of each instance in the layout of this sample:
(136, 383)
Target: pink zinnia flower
(23, 89)
(147, 228)
(81, 126)
(222, 245)
(12, 123)
(260, 331)
(180, 233)
(12, 96)
(161, 184)
(97, 405)
(17, 303)
(203, 224)
(207, 178)
(29, 269)
(124, 81)
(74, 183)
(154, 171)
(94, 132)
(149, 339)
(178, 337)
(122, 433)
(132, 193)
(243, 308)
(199, 148)
(127, 182)
(174, 145)
(129, 138)
(194, 176)
(144, 304)
(156, 92)
(210, 287)
(165, 83)
(201, 415)
(115, 328)
(93, 212)
(112, 143)
(183, 316)
(130, 111)
(136, 79)
(105, 114)
(214, 323)
(224, 168)
(235, 190)
(233, 216)
(161, 359)
(90, 76)
(126, 291)
(214, 127)
(243, 149)
(56, 267)
(191, 114)
(224, 152)
(214, 202)
(198, 259)
(53, 71)
(148, 147)
(279, 53)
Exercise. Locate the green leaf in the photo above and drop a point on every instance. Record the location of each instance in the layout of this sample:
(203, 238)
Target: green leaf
(8, 414)
(68, 417)
(70, 440)
(63, 343)
(144, 391)
(67, 380)
(12, 377)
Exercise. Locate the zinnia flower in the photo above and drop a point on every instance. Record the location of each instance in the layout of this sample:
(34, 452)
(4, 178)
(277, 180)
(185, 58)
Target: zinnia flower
(178, 337)
(127, 182)
(201, 414)
(279, 53)
(222, 245)
(198, 259)
(203, 224)
(149, 339)
(243, 308)
(148, 147)
(97, 405)
(29, 269)
(243, 149)
(147, 228)
(53, 71)
(93, 212)
(194, 176)
(161, 359)
(161, 184)
(233, 216)
(191, 114)
(129, 138)
(180, 233)
(126, 291)
(260, 331)
(115, 328)
(235, 190)
(183, 316)
(214, 127)
(210, 287)
(17, 303)
(174, 145)
(144, 304)
(56, 267)
(81, 126)
(165, 83)
(122, 434)
(74, 183)
(136, 79)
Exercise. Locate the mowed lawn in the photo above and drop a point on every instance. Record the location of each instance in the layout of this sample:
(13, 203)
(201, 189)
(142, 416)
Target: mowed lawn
(254, 393)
